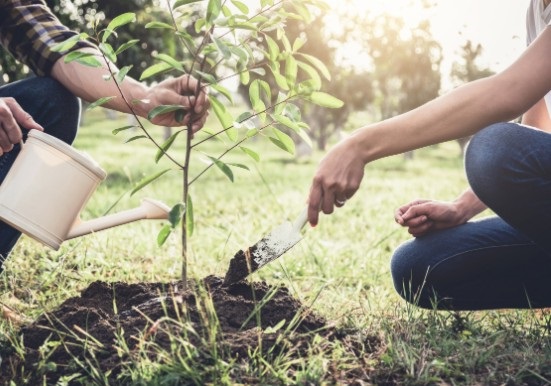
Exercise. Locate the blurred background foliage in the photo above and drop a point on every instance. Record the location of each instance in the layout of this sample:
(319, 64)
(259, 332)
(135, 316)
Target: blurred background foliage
(379, 64)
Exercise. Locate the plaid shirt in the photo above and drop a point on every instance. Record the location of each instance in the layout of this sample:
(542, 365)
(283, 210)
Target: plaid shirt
(29, 30)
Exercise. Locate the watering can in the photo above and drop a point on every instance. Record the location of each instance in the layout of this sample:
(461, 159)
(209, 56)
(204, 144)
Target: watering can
(48, 186)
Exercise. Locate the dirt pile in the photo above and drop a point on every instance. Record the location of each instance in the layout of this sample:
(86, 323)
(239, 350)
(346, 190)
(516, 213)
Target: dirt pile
(87, 331)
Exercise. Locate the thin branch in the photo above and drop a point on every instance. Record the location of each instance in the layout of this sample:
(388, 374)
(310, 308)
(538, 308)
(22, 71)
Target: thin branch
(229, 150)
(211, 136)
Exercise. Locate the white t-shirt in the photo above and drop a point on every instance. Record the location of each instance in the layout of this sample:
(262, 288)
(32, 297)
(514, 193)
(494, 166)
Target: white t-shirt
(537, 19)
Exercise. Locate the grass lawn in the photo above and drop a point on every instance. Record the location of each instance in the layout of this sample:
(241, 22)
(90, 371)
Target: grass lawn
(340, 268)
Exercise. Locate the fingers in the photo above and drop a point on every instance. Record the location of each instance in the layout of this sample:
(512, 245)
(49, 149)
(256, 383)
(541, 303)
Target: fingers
(314, 203)
(185, 91)
(12, 117)
(195, 94)
(325, 197)
(422, 228)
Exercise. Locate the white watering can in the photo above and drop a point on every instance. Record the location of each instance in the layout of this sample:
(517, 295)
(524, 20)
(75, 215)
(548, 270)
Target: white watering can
(50, 183)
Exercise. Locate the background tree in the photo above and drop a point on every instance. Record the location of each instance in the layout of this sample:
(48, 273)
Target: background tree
(351, 85)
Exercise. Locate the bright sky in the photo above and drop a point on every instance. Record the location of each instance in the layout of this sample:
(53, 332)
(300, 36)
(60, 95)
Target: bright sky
(498, 25)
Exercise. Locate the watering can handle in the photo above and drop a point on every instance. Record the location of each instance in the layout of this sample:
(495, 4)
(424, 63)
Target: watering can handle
(149, 209)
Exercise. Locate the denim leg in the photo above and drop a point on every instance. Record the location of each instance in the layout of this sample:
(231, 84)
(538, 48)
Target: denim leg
(509, 168)
(484, 264)
(500, 262)
(57, 110)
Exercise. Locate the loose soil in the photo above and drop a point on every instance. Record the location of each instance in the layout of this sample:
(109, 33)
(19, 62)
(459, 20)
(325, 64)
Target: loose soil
(86, 331)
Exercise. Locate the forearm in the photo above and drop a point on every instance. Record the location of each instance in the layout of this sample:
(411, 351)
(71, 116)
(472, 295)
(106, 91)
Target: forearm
(454, 115)
(93, 83)
(465, 110)
(468, 205)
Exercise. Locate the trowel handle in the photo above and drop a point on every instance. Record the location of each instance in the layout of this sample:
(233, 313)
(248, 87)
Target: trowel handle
(301, 220)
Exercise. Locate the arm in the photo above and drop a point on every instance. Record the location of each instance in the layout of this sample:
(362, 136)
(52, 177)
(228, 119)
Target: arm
(460, 113)
(89, 84)
(29, 31)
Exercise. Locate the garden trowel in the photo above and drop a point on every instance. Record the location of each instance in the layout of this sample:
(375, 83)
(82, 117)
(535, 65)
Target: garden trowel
(269, 248)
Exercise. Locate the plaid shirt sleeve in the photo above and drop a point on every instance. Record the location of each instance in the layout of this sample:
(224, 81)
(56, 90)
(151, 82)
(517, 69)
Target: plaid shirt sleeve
(29, 30)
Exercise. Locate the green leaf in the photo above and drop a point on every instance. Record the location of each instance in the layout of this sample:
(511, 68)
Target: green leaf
(240, 166)
(222, 48)
(223, 90)
(213, 10)
(163, 109)
(69, 43)
(123, 19)
(175, 214)
(223, 167)
(273, 48)
(224, 117)
(291, 70)
(166, 146)
(122, 74)
(135, 138)
(267, 90)
(286, 121)
(298, 43)
(147, 180)
(244, 77)
(318, 64)
(85, 58)
(241, 6)
(117, 22)
(155, 69)
(118, 130)
(99, 102)
(254, 93)
(325, 100)
(199, 24)
(159, 24)
(170, 61)
(180, 3)
(165, 231)
(306, 138)
(251, 153)
(283, 141)
(190, 223)
(126, 46)
(206, 76)
(280, 79)
(108, 51)
(313, 74)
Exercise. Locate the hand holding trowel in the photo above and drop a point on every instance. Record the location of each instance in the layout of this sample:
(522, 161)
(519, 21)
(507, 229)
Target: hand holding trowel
(269, 248)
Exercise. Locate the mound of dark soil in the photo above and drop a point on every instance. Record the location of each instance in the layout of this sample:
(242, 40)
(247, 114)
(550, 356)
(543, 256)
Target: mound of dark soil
(87, 331)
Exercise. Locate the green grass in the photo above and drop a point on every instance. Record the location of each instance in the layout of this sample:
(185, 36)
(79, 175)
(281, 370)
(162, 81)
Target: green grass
(341, 267)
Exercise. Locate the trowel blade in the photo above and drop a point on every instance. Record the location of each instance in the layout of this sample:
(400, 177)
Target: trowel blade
(269, 248)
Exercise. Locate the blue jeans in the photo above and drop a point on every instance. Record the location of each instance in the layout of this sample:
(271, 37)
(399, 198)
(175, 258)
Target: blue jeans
(497, 262)
(57, 110)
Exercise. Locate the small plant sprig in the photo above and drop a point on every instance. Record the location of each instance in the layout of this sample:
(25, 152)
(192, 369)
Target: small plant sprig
(223, 41)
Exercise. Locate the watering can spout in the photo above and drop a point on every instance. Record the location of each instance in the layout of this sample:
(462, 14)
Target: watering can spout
(149, 209)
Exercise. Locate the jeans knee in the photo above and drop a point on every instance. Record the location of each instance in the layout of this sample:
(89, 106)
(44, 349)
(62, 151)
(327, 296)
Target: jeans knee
(408, 274)
(490, 159)
(61, 109)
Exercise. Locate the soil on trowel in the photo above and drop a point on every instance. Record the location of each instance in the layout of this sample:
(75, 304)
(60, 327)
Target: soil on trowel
(241, 265)
(87, 331)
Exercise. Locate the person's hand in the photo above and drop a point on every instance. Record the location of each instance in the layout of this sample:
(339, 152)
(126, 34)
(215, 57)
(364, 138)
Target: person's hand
(424, 216)
(338, 177)
(12, 118)
(181, 91)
